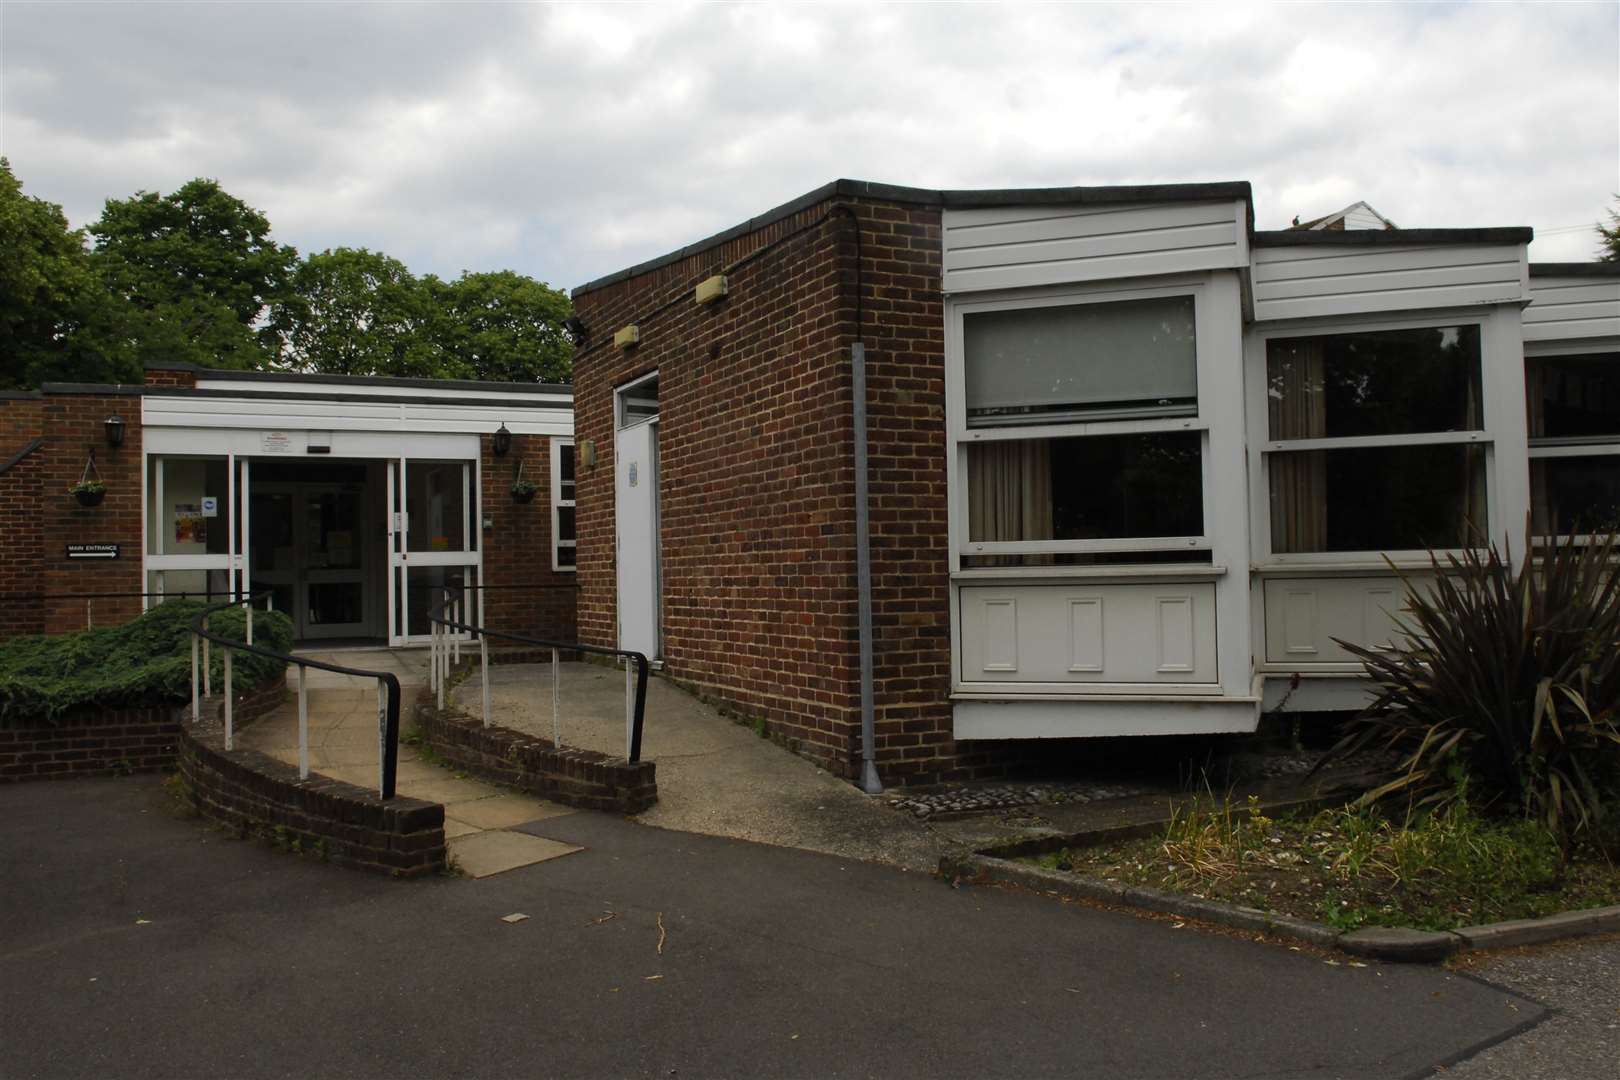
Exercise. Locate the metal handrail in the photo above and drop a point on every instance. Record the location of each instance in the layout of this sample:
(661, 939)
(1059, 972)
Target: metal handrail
(446, 650)
(388, 692)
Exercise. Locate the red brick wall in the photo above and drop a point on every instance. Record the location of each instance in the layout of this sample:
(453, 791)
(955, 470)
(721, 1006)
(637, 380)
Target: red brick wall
(524, 594)
(181, 377)
(757, 484)
(21, 529)
(72, 425)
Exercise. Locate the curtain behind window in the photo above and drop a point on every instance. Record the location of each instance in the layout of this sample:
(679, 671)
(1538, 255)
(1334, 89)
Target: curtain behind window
(1296, 401)
(1010, 492)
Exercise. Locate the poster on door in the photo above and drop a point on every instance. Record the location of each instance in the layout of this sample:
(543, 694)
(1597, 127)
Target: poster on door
(190, 526)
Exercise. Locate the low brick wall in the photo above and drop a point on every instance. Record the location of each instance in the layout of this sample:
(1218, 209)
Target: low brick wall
(582, 778)
(91, 742)
(253, 794)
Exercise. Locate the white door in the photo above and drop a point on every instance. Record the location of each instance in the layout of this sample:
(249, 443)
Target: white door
(635, 515)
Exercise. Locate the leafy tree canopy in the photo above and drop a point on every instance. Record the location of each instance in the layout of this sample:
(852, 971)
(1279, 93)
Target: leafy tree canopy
(194, 273)
(48, 296)
(1609, 235)
(194, 277)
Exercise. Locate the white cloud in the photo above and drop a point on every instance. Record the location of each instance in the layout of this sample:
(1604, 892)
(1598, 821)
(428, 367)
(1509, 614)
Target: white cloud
(568, 141)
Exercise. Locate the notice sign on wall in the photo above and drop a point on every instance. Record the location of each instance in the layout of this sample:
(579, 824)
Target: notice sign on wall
(92, 551)
(189, 526)
(275, 442)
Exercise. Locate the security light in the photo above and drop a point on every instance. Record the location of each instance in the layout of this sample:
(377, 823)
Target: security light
(575, 326)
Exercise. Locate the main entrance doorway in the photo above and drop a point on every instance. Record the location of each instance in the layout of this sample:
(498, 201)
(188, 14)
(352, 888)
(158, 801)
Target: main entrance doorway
(314, 541)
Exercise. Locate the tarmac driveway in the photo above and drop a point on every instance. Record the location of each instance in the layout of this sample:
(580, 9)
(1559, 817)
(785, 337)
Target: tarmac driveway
(136, 944)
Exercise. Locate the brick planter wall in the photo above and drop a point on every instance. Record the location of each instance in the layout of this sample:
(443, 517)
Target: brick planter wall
(582, 778)
(253, 794)
(90, 743)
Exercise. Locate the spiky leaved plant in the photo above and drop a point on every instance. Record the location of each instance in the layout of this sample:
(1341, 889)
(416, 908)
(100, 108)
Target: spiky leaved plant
(1511, 673)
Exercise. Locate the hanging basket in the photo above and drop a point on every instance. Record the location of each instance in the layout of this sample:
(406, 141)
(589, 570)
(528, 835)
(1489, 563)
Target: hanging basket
(523, 490)
(90, 489)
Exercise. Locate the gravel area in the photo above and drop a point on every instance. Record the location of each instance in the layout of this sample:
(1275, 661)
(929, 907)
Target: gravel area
(969, 800)
(1580, 981)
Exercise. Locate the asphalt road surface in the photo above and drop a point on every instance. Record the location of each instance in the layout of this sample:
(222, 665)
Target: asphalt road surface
(136, 943)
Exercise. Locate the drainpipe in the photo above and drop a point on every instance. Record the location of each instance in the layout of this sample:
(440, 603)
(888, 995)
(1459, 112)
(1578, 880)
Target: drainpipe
(863, 573)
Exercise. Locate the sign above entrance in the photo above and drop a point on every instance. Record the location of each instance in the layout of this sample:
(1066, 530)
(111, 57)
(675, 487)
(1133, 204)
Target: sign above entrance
(275, 442)
(92, 551)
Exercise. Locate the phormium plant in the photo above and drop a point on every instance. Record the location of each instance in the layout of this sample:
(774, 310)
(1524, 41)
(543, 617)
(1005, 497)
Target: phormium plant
(1511, 674)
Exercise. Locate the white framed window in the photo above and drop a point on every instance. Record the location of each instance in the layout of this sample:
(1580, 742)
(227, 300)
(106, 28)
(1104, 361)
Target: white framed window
(1075, 428)
(1376, 440)
(564, 542)
(1572, 405)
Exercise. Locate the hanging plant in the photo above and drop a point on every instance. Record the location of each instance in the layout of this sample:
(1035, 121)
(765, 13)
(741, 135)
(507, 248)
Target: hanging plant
(523, 489)
(90, 489)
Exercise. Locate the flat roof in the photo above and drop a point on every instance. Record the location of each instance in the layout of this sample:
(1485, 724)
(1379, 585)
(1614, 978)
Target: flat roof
(364, 380)
(1576, 269)
(1353, 237)
(947, 198)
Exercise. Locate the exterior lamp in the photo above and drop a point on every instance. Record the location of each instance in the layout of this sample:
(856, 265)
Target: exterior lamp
(503, 440)
(114, 426)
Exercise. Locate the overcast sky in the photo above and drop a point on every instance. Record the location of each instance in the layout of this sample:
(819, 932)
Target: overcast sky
(570, 141)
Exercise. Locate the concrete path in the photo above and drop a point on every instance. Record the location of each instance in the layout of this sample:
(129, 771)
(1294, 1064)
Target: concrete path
(134, 944)
(478, 817)
(715, 776)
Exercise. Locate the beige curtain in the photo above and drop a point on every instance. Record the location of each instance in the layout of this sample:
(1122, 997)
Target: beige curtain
(1297, 407)
(1010, 494)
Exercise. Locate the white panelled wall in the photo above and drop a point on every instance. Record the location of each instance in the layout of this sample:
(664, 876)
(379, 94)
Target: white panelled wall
(1061, 630)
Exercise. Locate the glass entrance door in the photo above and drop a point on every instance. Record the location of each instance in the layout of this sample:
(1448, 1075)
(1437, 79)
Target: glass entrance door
(308, 546)
(432, 541)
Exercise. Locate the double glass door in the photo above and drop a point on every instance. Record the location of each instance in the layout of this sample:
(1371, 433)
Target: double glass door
(308, 544)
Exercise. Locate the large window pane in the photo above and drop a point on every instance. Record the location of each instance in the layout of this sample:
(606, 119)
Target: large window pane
(1117, 487)
(1030, 365)
(1384, 382)
(425, 589)
(1396, 498)
(437, 507)
(1572, 397)
(1570, 493)
(191, 518)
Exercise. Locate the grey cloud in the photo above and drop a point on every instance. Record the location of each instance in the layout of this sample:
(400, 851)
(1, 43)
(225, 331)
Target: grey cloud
(566, 142)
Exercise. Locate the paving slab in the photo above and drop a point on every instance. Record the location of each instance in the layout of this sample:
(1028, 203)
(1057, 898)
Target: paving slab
(495, 851)
(503, 811)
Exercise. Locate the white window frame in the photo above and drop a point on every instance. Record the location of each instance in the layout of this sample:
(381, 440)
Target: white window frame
(1579, 446)
(559, 503)
(1493, 400)
(960, 436)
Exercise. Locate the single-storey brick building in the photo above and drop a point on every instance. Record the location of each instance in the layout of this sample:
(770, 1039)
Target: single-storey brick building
(971, 470)
(348, 499)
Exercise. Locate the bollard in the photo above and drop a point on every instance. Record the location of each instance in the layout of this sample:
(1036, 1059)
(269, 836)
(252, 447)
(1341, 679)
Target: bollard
(230, 735)
(196, 703)
(483, 666)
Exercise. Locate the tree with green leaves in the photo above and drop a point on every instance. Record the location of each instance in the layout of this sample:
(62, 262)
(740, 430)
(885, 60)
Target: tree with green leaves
(1609, 235)
(193, 274)
(356, 312)
(502, 326)
(50, 302)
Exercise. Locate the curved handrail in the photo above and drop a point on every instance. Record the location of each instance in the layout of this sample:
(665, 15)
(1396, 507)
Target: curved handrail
(637, 699)
(388, 710)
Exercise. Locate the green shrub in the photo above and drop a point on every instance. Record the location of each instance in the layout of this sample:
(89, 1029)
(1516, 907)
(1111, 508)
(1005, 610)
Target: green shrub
(144, 662)
(1510, 677)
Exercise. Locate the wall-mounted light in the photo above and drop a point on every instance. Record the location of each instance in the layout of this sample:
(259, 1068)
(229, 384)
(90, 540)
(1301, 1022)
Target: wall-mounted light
(575, 328)
(503, 440)
(114, 426)
(627, 336)
(587, 453)
(710, 289)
